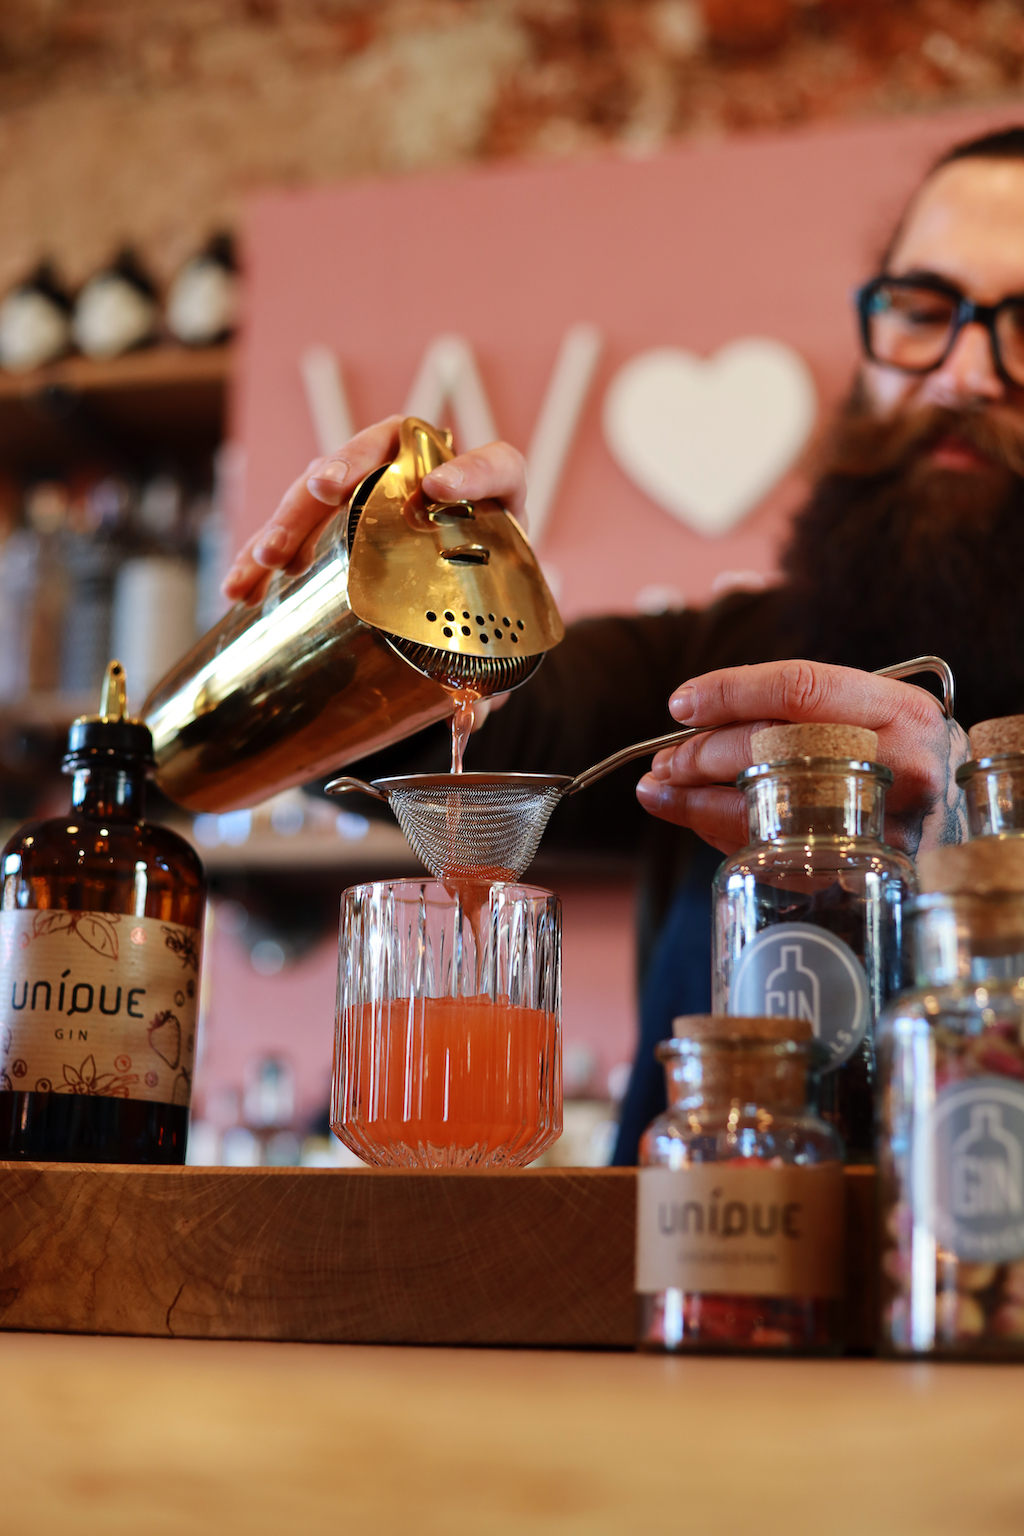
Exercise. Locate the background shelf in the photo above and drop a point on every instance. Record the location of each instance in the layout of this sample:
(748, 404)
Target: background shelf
(161, 401)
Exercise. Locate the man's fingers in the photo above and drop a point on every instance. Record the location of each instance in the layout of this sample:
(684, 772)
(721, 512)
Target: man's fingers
(496, 470)
(716, 813)
(313, 499)
(331, 480)
(308, 504)
(799, 691)
(715, 757)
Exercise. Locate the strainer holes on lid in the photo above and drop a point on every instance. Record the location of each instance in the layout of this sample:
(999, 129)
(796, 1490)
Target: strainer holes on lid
(431, 617)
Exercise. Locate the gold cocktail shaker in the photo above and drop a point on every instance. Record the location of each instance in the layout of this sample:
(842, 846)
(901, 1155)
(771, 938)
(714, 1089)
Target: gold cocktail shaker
(400, 602)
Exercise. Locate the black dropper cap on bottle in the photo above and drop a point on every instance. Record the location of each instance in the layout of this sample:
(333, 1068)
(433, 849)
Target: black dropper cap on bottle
(111, 734)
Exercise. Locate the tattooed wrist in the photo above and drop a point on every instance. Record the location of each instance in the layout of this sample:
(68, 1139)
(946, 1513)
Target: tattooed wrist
(946, 821)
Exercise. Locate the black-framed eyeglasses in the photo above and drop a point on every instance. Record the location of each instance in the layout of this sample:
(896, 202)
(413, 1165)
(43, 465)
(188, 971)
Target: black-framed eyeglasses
(912, 323)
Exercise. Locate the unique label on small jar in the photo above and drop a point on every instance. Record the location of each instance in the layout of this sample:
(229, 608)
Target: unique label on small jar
(797, 971)
(978, 1149)
(721, 1230)
(98, 1003)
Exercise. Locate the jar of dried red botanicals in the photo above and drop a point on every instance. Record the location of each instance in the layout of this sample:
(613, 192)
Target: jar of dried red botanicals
(808, 917)
(951, 1120)
(740, 1195)
(993, 780)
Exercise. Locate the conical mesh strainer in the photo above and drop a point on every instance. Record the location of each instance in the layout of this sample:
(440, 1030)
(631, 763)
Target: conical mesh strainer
(475, 826)
(488, 826)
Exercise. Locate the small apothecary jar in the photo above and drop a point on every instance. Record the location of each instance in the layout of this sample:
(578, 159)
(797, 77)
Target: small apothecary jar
(951, 1128)
(740, 1195)
(993, 780)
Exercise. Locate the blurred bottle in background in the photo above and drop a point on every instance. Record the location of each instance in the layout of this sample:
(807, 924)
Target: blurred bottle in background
(213, 539)
(33, 592)
(155, 589)
(93, 546)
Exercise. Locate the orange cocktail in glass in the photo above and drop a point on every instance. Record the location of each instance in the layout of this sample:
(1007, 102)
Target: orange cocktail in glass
(448, 1047)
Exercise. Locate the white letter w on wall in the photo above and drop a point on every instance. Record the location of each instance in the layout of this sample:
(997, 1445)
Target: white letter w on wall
(448, 376)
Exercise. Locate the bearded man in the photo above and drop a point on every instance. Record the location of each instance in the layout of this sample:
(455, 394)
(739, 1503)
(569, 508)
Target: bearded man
(912, 542)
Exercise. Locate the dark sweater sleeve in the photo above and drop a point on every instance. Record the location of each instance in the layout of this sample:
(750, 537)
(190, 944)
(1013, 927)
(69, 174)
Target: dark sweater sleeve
(606, 686)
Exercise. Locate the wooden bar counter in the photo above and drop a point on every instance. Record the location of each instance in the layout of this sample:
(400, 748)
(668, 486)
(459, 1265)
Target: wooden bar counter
(195, 1431)
(149, 1437)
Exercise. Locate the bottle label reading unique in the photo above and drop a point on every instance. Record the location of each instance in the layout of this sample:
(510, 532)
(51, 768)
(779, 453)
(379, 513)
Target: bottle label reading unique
(98, 1003)
(721, 1230)
(978, 1149)
(797, 971)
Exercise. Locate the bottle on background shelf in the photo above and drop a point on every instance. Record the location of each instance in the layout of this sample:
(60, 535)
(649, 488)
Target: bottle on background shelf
(100, 937)
(91, 564)
(202, 301)
(46, 507)
(116, 310)
(154, 611)
(213, 542)
(35, 322)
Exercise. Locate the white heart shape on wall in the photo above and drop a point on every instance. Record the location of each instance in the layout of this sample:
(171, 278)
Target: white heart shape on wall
(708, 438)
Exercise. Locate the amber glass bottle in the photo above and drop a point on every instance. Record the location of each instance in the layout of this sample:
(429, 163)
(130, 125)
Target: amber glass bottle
(100, 930)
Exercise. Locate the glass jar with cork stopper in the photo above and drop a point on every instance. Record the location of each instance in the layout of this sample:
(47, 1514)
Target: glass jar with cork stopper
(100, 936)
(808, 917)
(740, 1195)
(951, 1131)
(993, 779)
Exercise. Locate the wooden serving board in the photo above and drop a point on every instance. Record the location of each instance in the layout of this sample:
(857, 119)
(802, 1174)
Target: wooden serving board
(530, 1257)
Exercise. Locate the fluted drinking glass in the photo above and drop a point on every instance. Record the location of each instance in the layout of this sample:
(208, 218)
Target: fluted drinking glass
(448, 1040)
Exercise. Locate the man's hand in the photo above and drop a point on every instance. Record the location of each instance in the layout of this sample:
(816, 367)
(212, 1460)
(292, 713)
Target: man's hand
(314, 498)
(693, 784)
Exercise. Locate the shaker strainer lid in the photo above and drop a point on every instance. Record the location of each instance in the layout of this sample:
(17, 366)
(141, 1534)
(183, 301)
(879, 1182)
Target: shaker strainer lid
(468, 583)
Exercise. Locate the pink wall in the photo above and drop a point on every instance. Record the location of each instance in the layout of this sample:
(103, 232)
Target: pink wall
(760, 236)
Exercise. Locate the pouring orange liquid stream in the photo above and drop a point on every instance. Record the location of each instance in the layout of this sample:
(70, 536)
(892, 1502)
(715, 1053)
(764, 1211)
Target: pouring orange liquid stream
(462, 724)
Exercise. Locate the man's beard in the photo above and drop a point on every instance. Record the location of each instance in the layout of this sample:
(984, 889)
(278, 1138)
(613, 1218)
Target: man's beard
(894, 557)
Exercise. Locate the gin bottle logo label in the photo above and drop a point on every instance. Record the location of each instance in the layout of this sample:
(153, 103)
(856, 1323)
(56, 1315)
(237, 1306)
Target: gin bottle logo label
(98, 1003)
(797, 971)
(720, 1230)
(977, 1142)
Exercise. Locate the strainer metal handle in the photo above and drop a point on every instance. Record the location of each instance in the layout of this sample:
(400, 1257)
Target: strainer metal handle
(348, 785)
(935, 664)
(899, 669)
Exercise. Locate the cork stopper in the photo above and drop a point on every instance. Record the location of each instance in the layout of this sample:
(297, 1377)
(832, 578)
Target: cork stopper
(781, 743)
(988, 867)
(736, 1061)
(738, 1026)
(996, 738)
